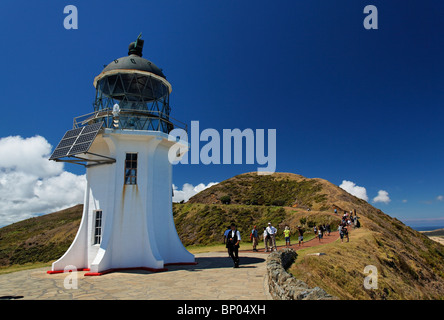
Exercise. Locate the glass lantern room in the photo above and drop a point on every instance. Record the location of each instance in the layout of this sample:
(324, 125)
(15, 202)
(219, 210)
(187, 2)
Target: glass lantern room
(133, 93)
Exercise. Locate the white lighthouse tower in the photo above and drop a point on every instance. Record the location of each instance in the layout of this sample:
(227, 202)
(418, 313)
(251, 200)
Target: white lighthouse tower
(127, 218)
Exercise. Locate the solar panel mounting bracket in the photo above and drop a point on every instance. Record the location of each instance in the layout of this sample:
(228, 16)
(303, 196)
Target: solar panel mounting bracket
(78, 141)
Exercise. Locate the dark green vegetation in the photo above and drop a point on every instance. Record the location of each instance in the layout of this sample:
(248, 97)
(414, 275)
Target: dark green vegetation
(266, 190)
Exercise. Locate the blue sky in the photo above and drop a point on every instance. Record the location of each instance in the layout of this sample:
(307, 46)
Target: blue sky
(347, 103)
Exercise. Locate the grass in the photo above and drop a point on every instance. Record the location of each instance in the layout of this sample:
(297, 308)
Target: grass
(278, 189)
(26, 266)
(341, 271)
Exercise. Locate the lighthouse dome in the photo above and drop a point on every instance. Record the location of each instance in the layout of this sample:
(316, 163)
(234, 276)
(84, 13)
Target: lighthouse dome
(134, 62)
(139, 88)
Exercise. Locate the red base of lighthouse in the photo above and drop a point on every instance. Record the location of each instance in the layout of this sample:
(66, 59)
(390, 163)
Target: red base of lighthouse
(124, 269)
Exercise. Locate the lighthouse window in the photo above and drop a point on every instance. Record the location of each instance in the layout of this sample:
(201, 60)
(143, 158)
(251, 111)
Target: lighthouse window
(98, 227)
(131, 168)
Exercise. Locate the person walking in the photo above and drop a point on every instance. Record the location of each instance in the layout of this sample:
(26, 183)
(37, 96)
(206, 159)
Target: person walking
(287, 233)
(266, 239)
(272, 231)
(345, 231)
(341, 232)
(255, 238)
(315, 231)
(320, 233)
(328, 229)
(301, 236)
(226, 234)
(233, 240)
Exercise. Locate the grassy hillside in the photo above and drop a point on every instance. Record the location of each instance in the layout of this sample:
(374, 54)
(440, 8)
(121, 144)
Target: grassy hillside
(404, 272)
(39, 239)
(279, 189)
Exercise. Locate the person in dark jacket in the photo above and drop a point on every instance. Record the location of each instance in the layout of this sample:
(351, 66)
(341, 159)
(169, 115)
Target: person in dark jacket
(233, 240)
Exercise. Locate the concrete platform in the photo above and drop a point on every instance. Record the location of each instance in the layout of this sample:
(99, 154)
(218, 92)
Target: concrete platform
(212, 278)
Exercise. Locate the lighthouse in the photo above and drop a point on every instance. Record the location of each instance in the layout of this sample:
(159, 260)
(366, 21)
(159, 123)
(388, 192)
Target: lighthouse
(127, 220)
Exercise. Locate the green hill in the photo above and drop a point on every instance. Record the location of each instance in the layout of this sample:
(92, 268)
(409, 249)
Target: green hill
(279, 189)
(39, 239)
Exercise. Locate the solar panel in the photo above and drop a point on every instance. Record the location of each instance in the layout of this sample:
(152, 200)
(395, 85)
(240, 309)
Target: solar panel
(76, 141)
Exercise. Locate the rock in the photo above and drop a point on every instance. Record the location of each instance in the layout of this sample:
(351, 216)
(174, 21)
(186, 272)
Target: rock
(283, 285)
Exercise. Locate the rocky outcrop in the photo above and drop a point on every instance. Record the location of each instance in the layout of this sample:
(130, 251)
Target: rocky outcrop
(283, 286)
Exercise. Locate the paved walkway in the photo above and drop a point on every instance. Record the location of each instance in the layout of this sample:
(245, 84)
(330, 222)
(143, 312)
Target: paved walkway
(209, 279)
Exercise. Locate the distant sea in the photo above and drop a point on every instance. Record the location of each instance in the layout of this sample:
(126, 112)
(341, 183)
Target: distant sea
(426, 228)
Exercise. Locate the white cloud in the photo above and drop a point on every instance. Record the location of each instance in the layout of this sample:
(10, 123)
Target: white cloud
(29, 156)
(404, 201)
(188, 190)
(440, 198)
(353, 189)
(383, 196)
(30, 184)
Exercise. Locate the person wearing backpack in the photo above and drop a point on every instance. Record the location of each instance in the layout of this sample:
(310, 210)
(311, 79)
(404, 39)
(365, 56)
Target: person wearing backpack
(233, 240)
(301, 236)
(320, 233)
(341, 232)
(345, 231)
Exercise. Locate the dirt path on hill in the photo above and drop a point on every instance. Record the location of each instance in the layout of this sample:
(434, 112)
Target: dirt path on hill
(294, 243)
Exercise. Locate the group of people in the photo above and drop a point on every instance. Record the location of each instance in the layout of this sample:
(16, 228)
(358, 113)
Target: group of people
(347, 220)
(322, 229)
(232, 239)
(232, 236)
(269, 237)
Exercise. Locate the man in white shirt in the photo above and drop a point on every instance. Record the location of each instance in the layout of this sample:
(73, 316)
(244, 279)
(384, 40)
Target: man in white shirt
(272, 232)
(233, 240)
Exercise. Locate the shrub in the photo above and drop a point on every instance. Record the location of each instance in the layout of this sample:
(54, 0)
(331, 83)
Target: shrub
(225, 199)
(278, 202)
